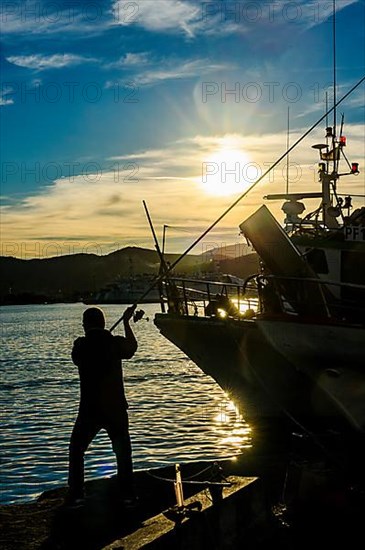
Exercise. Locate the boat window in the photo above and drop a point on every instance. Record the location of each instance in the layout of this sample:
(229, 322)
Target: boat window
(317, 260)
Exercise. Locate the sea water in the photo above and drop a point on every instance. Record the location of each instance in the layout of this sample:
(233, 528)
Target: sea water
(177, 413)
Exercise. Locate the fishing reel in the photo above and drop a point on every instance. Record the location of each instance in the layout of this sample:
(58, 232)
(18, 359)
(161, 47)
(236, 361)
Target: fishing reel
(138, 315)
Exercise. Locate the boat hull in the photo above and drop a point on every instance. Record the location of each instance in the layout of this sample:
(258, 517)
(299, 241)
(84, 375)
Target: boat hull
(311, 344)
(215, 346)
(261, 380)
(332, 355)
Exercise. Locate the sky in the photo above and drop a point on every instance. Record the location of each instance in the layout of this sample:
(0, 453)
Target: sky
(182, 104)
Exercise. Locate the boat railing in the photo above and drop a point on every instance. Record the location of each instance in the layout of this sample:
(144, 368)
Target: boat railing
(205, 298)
(258, 294)
(293, 295)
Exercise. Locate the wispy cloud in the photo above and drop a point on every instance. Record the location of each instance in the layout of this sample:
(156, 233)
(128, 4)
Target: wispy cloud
(41, 62)
(193, 17)
(188, 17)
(181, 70)
(129, 61)
(147, 71)
(35, 18)
(159, 15)
(156, 72)
(355, 101)
(4, 99)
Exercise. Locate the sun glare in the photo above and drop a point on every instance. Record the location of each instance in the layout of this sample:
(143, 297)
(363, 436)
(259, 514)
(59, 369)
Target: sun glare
(226, 171)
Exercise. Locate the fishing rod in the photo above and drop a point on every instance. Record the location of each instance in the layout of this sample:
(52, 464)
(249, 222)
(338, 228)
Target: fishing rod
(159, 277)
(163, 266)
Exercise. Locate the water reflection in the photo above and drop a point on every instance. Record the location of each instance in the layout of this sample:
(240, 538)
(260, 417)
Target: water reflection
(230, 420)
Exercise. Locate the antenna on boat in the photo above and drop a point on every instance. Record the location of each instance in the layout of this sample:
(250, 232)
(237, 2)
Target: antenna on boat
(287, 157)
(164, 239)
(329, 176)
(334, 80)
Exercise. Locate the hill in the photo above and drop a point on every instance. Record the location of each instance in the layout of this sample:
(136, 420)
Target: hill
(67, 278)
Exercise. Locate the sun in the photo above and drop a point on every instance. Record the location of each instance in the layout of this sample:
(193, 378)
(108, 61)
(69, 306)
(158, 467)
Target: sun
(226, 170)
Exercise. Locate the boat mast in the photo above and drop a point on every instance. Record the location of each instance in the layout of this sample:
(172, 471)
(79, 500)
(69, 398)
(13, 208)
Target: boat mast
(334, 83)
(326, 178)
(327, 136)
(287, 157)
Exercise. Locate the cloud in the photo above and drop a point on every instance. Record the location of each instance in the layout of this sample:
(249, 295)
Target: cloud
(75, 211)
(42, 62)
(159, 70)
(34, 18)
(186, 69)
(4, 100)
(106, 208)
(159, 15)
(355, 101)
(135, 59)
(188, 17)
(194, 17)
(129, 60)
(162, 70)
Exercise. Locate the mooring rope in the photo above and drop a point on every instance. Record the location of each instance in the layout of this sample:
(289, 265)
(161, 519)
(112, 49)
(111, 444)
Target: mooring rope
(189, 480)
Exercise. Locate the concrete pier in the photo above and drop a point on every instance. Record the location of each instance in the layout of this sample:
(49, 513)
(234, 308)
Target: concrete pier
(239, 516)
(271, 501)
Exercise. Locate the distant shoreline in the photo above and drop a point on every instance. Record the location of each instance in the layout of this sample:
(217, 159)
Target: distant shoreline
(51, 303)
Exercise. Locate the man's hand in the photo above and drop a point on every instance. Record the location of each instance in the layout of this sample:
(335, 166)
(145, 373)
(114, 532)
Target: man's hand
(128, 314)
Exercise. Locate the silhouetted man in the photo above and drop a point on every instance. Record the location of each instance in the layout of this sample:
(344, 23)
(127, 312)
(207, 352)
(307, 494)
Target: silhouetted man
(103, 405)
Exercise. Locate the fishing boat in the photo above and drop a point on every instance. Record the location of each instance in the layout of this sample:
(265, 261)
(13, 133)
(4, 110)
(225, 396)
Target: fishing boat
(291, 338)
(124, 290)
